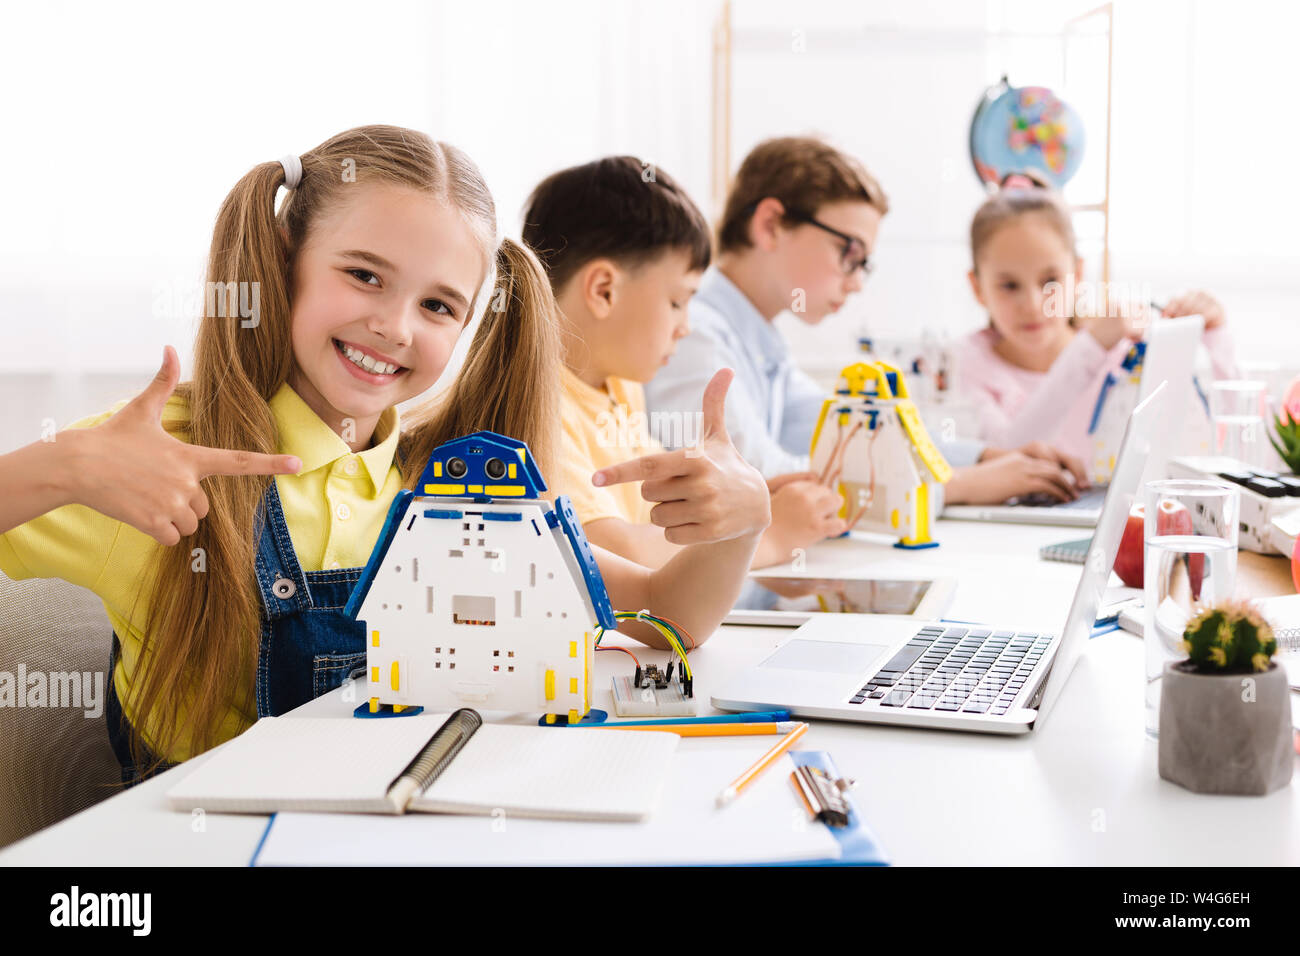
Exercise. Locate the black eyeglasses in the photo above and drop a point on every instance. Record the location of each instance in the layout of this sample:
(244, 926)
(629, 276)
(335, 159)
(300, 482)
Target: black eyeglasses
(849, 261)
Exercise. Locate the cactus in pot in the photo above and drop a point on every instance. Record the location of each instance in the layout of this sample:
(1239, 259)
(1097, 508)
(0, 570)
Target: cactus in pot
(1225, 712)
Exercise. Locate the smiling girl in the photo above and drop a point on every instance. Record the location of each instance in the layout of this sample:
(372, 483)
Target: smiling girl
(226, 589)
(1034, 373)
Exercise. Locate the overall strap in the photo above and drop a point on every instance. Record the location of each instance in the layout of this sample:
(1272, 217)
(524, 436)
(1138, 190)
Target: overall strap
(280, 578)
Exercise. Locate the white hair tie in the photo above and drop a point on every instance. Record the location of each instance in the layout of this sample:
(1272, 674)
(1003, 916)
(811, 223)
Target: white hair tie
(292, 171)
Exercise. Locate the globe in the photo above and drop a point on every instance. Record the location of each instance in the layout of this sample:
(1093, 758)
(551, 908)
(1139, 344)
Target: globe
(1020, 128)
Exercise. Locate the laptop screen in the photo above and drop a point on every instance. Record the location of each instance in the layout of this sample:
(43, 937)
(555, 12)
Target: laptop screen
(1124, 487)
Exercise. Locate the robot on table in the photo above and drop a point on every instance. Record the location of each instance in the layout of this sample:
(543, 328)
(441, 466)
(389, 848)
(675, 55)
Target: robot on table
(871, 445)
(479, 592)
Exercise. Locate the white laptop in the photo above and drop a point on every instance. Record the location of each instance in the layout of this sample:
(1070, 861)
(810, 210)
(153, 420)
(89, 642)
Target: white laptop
(894, 670)
(1170, 356)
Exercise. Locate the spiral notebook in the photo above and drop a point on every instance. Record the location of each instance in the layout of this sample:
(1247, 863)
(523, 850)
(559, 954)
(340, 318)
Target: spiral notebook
(1071, 552)
(430, 763)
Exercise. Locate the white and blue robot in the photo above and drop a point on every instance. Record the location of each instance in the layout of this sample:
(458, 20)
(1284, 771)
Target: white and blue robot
(480, 593)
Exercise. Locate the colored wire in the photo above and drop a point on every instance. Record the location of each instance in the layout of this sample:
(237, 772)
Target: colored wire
(835, 465)
(679, 629)
(830, 476)
(672, 633)
(668, 633)
(623, 649)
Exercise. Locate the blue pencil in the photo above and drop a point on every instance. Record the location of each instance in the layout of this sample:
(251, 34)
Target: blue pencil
(744, 718)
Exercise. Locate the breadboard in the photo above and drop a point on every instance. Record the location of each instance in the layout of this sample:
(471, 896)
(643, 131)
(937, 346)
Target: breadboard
(630, 701)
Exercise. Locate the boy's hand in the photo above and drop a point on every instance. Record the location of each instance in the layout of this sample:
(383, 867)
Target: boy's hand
(780, 481)
(804, 512)
(1196, 302)
(130, 469)
(705, 493)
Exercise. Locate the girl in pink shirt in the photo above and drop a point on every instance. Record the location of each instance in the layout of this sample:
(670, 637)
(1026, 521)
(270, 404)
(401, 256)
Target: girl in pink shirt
(1035, 372)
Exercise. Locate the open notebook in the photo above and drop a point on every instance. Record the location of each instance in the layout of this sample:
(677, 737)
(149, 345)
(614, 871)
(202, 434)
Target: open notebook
(765, 825)
(430, 763)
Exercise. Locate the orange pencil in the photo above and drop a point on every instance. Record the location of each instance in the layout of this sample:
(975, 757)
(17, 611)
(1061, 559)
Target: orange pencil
(711, 730)
(737, 786)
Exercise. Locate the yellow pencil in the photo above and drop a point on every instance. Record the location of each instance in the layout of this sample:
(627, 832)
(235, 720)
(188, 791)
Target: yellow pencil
(737, 786)
(711, 730)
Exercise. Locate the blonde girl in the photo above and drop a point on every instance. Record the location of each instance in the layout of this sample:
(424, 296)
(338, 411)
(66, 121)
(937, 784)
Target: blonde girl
(225, 587)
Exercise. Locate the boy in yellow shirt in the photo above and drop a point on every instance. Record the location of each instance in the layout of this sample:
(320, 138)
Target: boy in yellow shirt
(625, 248)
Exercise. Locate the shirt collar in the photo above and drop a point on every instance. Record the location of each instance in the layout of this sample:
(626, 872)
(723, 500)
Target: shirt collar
(719, 292)
(599, 399)
(302, 433)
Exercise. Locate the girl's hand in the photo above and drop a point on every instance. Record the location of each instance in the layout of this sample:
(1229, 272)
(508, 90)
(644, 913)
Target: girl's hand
(804, 511)
(705, 493)
(130, 469)
(1045, 452)
(1196, 302)
(1010, 474)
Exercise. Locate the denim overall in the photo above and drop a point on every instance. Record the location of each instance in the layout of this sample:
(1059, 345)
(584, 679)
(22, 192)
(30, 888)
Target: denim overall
(307, 646)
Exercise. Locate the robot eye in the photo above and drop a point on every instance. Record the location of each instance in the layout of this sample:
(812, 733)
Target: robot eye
(456, 467)
(494, 468)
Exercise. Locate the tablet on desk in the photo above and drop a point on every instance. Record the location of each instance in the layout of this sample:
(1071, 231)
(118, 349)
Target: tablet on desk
(788, 600)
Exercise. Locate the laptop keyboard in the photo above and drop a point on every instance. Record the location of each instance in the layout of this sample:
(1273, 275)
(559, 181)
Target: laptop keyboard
(1090, 500)
(971, 670)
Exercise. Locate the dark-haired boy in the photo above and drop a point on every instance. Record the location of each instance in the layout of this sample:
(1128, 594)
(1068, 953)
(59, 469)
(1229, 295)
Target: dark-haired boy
(625, 248)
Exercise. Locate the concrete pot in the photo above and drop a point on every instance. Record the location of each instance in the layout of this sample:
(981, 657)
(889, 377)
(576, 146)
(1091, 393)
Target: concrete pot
(1226, 733)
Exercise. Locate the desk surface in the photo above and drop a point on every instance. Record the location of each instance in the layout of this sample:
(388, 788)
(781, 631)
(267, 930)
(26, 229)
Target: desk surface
(1081, 789)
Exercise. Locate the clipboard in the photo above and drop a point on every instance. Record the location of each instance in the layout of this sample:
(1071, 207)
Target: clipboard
(359, 839)
(858, 844)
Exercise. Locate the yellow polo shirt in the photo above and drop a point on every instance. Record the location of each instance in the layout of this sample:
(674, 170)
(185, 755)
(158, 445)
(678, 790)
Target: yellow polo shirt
(603, 427)
(334, 507)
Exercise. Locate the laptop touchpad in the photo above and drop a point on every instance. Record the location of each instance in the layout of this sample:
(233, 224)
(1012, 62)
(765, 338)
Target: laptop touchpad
(828, 656)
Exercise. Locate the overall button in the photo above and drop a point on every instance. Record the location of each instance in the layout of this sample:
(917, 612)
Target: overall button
(343, 511)
(283, 588)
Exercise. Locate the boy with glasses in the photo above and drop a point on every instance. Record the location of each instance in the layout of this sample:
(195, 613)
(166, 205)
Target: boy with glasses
(797, 234)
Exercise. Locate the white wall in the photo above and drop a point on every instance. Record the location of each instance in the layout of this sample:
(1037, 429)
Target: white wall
(127, 124)
(1199, 195)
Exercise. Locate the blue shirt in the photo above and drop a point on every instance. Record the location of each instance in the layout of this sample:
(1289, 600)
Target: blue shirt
(772, 406)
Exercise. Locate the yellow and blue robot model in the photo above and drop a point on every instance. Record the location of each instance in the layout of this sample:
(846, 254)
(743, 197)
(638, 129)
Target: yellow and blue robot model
(871, 446)
(479, 592)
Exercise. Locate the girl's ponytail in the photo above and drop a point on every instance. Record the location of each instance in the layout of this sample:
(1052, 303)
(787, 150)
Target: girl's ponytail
(510, 380)
(247, 267)
(242, 354)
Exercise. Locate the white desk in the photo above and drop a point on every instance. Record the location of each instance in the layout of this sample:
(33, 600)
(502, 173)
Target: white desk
(1082, 789)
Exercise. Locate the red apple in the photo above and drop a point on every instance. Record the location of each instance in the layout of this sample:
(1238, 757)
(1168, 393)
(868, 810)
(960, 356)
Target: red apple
(1128, 560)
(1175, 519)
